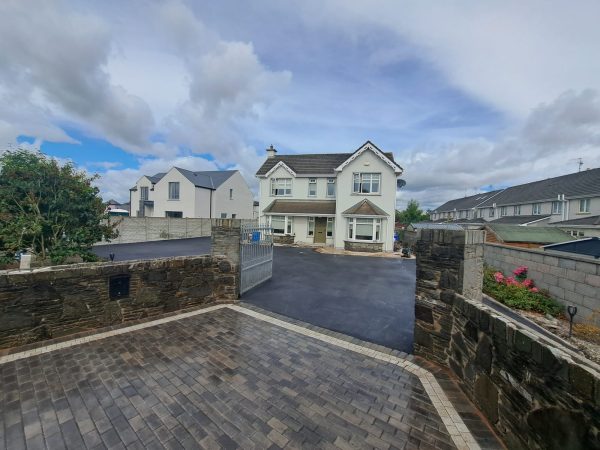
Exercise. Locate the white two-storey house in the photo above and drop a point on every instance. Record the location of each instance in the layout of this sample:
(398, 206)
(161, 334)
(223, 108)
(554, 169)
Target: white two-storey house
(185, 193)
(345, 200)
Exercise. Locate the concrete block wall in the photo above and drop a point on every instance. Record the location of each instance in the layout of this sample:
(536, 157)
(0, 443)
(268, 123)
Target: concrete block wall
(141, 229)
(569, 279)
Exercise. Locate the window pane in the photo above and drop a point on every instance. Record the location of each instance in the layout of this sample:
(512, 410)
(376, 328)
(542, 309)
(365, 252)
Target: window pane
(329, 227)
(278, 224)
(311, 226)
(289, 225)
(364, 232)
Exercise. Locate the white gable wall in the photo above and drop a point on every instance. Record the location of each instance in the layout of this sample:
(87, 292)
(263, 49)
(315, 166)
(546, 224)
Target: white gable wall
(240, 204)
(187, 195)
(135, 196)
(368, 161)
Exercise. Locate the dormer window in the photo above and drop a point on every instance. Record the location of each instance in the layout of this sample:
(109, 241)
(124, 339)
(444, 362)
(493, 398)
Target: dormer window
(281, 187)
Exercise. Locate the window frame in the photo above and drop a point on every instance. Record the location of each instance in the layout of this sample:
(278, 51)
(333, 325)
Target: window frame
(275, 187)
(311, 182)
(586, 203)
(230, 193)
(517, 210)
(173, 184)
(146, 190)
(328, 232)
(503, 211)
(557, 207)
(536, 209)
(358, 180)
(492, 212)
(310, 227)
(288, 225)
(331, 182)
(353, 223)
(174, 214)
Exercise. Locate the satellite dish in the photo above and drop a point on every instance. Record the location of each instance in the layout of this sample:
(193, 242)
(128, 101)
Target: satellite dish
(400, 184)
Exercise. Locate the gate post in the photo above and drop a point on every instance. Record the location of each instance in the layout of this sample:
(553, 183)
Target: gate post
(449, 262)
(225, 241)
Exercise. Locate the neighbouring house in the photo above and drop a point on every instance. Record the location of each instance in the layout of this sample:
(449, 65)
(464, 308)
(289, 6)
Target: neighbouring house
(540, 203)
(588, 247)
(185, 193)
(583, 227)
(116, 208)
(345, 200)
(255, 210)
(527, 237)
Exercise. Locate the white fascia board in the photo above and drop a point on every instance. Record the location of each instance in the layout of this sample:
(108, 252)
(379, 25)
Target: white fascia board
(277, 166)
(375, 150)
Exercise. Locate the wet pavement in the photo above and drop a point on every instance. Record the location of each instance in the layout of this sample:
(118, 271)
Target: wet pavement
(224, 378)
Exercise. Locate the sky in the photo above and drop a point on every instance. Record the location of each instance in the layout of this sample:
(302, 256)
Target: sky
(469, 96)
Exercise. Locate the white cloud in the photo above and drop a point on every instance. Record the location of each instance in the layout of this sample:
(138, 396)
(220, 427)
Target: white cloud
(549, 142)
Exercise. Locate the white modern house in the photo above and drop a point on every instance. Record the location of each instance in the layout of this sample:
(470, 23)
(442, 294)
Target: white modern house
(184, 193)
(345, 200)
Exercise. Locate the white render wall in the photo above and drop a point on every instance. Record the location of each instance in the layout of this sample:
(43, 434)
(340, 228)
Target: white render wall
(367, 162)
(242, 203)
(135, 195)
(187, 197)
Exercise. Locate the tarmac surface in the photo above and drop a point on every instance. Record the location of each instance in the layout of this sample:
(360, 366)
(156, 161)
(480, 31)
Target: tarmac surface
(365, 297)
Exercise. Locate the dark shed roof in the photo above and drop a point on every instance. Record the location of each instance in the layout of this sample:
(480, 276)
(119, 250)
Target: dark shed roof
(587, 247)
(535, 235)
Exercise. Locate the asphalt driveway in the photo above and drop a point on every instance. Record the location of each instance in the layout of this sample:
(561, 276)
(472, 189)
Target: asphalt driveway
(365, 297)
(155, 249)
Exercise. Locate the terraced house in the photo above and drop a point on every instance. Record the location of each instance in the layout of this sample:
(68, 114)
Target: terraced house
(346, 200)
(571, 202)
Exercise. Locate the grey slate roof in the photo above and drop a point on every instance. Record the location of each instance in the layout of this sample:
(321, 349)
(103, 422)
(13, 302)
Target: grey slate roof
(310, 207)
(365, 208)
(466, 202)
(313, 163)
(579, 184)
(209, 179)
(519, 220)
(588, 220)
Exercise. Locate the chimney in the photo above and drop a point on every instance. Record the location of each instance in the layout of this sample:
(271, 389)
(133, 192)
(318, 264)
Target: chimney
(271, 152)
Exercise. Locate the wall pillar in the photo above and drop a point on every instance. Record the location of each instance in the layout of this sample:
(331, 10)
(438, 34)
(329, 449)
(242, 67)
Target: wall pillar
(225, 240)
(448, 262)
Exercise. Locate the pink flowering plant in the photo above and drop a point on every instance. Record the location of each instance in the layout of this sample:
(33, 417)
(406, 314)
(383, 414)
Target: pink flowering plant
(518, 291)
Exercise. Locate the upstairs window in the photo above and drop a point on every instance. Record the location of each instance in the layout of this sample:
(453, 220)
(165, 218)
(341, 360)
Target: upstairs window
(174, 190)
(557, 207)
(517, 210)
(144, 193)
(230, 194)
(366, 183)
(536, 209)
(584, 205)
(331, 187)
(281, 187)
(312, 187)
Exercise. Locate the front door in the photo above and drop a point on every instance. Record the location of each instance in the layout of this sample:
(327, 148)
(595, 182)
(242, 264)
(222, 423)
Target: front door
(320, 230)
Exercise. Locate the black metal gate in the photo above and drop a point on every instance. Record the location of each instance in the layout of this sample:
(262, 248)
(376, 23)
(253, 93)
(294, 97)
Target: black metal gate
(256, 255)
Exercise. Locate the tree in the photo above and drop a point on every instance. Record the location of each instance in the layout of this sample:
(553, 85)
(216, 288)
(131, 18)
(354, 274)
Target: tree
(412, 213)
(51, 209)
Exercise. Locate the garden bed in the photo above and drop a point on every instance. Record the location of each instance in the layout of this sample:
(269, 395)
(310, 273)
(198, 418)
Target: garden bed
(520, 294)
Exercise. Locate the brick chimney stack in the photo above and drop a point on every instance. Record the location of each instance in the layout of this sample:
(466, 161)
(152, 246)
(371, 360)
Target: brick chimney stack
(271, 152)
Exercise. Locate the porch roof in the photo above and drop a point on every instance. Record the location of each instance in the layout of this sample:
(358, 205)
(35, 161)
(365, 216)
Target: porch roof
(309, 208)
(365, 208)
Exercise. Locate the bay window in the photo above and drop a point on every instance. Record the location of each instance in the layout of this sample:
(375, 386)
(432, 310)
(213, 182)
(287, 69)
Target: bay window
(364, 229)
(281, 187)
(366, 183)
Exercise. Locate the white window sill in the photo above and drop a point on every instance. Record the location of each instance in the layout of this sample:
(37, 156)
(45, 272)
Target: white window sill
(369, 194)
(173, 200)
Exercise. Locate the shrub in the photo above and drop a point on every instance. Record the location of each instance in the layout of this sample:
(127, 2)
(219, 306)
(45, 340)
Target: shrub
(519, 292)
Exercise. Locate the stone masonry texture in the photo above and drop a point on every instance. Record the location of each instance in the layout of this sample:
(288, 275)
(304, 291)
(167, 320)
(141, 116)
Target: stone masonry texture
(54, 302)
(571, 280)
(537, 395)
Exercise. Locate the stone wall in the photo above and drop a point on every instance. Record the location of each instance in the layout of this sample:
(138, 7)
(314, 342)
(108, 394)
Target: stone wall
(536, 395)
(363, 246)
(571, 280)
(53, 302)
(141, 229)
(225, 238)
(286, 239)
